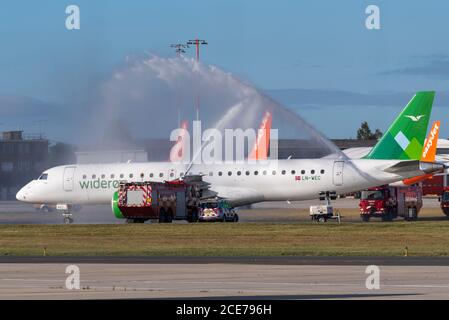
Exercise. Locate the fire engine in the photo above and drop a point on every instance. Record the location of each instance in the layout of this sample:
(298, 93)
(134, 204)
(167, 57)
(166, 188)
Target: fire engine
(388, 202)
(166, 201)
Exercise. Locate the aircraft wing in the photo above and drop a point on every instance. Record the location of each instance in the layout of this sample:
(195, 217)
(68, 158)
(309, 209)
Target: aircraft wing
(237, 196)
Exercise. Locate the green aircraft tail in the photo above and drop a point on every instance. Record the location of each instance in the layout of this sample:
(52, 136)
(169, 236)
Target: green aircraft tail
(404, 139)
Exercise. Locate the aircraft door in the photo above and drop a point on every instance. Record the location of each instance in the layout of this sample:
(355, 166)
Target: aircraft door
(69, 173)
(338, 173)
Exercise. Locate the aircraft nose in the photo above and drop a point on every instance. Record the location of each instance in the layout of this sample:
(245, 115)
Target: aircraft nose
(20, 195)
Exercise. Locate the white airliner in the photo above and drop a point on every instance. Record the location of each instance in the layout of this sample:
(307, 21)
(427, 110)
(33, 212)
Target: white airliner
(394, 158)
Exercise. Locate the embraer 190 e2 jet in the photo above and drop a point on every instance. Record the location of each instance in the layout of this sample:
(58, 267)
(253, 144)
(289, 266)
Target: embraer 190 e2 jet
(394, 158)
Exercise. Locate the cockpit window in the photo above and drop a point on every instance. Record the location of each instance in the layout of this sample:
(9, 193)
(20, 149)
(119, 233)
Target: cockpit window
(43, 176)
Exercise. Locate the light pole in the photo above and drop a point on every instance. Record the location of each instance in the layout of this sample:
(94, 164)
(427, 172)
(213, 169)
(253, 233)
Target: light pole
(179, 49)
(197, 43)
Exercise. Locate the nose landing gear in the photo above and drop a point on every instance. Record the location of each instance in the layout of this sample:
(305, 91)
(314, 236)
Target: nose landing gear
(68, 217)
(66, 212)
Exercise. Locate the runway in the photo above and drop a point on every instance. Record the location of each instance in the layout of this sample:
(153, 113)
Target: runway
(221, 281)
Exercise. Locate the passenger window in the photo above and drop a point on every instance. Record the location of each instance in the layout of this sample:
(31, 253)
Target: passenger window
(239, 173)
(265, 172)
(161, 175)
(84, 176)
(293, 171)
(274, 172)
(322, 171)
(181, 174)
(312, 171)
(303, 171)
(94, 176)
(229, 173)
(112, 176)
(220, 173)
(256, 173)
(151, 175)
(171, 174)
(247, 173)
(283, 171)
(131, 175)
(121, 176)
(142, 175)
(103, 176)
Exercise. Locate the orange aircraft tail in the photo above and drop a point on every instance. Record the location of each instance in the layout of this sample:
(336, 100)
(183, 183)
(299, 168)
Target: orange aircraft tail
(260, 149)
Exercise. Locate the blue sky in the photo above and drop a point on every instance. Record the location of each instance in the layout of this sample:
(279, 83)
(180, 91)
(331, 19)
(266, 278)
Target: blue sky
(309, 46)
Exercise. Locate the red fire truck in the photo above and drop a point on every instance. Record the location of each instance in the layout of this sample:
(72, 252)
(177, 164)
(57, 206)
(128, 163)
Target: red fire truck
(444, 201)
(434, 185)
(388, 202)
(166, 201)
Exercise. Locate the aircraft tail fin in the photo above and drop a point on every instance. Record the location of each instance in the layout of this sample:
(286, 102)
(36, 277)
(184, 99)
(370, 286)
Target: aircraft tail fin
(404, 139)
(430, 145)
(262, 144)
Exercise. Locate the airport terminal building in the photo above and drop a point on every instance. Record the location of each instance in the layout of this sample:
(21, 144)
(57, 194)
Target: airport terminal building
(22, 158)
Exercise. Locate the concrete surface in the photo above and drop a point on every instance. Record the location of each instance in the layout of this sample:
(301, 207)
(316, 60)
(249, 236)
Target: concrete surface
(223, 281)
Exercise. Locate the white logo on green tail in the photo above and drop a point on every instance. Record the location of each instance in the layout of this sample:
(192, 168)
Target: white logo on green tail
(416, 118)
